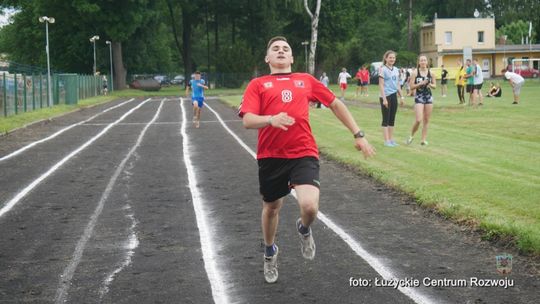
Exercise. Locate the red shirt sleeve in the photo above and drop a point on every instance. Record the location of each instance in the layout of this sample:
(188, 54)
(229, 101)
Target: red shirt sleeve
(251, 101)
(321, 93)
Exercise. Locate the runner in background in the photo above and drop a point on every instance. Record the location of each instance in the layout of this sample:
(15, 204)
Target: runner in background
(197, 86)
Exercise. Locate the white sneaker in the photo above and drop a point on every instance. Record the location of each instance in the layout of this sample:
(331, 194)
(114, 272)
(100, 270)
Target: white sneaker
(270, 267)
(409, 140)
(307, 244)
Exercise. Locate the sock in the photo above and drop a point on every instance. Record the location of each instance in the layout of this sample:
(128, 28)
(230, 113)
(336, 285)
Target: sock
(303, 230)
(270, 250)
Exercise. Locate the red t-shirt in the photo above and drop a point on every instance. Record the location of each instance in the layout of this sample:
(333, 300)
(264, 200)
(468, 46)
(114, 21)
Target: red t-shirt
(290, 93)
(364, 75)
(358, 75)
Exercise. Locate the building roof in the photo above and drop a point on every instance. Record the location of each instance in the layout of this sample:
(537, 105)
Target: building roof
(500, 48)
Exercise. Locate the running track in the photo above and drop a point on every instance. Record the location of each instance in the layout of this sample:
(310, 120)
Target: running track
(128, 203)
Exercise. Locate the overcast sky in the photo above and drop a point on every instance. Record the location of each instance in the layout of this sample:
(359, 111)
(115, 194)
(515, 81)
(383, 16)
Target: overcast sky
(4, 16)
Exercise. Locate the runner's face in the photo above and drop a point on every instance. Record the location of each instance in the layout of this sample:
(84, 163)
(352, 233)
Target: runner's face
(197, 76)
(279, 55)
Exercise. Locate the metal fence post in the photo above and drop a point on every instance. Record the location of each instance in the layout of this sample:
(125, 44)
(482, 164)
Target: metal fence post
(40, 91)
(24, 93)
(33, 92)
(5, 95)
(16, 88)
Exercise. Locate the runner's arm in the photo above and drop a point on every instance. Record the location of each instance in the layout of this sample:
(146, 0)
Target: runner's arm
(254, 121)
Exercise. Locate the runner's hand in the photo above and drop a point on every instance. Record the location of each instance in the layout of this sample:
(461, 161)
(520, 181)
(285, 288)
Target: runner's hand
(282, 121)
(363, 145)
(385, 103)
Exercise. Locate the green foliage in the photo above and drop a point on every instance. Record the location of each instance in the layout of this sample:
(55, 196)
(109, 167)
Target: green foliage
(515, 31)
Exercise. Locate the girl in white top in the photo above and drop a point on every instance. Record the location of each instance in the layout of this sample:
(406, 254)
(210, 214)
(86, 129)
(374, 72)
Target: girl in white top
(342, 80)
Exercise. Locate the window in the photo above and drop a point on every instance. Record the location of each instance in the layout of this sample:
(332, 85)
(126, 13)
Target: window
(448, 37)
(481, 37)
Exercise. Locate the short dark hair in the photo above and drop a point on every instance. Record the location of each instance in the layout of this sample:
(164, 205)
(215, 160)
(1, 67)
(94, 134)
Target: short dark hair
(503, 71)
(274, 39)
(197, 72)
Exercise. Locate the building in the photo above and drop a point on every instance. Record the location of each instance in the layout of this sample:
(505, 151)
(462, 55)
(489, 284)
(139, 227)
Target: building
(444, 41)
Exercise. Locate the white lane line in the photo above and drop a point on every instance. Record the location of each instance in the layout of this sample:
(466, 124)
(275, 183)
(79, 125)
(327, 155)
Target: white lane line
(69, 271)
(208, 246)
(159, 123)
(21, 150)
(7, 207)
(130, 246)
(373, 261)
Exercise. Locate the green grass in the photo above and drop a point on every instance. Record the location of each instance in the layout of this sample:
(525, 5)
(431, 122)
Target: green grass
(481, 167)
(10, 123)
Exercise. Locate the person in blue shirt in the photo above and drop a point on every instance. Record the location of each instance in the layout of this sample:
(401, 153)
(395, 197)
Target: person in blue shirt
(197, 86)
(389, 89)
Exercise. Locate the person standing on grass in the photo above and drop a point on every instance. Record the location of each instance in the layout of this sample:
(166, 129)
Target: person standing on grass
(197, 86)
(469, 75)
(389, 89)
(444, 80)
(516, 81)
(358, 78)
(342, 80)
(278, 106)
(460, 82)
(324, 80)
(478, 81)
(364, 78)
(422, 81)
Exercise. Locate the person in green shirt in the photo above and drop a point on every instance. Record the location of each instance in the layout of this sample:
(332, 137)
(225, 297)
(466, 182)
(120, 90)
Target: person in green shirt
(470, 82)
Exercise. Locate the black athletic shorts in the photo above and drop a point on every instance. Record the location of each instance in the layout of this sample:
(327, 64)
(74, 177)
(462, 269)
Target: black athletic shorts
(470, 88)
(359, 83)
(478, 86)
(278, 175)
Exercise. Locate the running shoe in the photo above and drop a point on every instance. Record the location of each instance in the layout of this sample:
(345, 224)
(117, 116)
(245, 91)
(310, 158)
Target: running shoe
(307, 244)
(409, 140)
(394, 143)
(271, 268)
(388, 144)
(515, 102)
(424, 143)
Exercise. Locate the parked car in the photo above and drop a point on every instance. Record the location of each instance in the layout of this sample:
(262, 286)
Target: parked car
(525, 71)
(178, 79)
(163, 80)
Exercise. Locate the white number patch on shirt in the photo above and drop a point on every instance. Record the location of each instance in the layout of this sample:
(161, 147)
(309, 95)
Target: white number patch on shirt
(286, 96)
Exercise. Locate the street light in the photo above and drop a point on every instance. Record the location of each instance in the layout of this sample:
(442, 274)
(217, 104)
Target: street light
(476, 13)
(305, 44)
(110, 59)
(93, 40)
(48, 20)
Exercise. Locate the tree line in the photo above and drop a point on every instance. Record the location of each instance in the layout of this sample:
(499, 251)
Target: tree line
(229, 36)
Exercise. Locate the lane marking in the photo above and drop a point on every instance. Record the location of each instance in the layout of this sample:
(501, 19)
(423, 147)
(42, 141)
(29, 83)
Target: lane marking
(158, 123)
(7, 207)
(385, 272)
(21, 150)
(69, 271)
(208, 246)
(130, 246)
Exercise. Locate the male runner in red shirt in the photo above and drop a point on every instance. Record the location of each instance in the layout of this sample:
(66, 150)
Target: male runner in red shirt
(278, 105)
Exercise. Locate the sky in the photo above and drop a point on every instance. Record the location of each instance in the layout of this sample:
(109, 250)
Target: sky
(5, 14)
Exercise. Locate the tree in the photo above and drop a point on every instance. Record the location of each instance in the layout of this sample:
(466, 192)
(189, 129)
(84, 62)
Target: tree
(314, 31)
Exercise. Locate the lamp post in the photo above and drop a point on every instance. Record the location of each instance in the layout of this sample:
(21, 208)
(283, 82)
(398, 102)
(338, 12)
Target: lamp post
(110, 59)
(48, 20)
(93, 40)
(305, 44)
